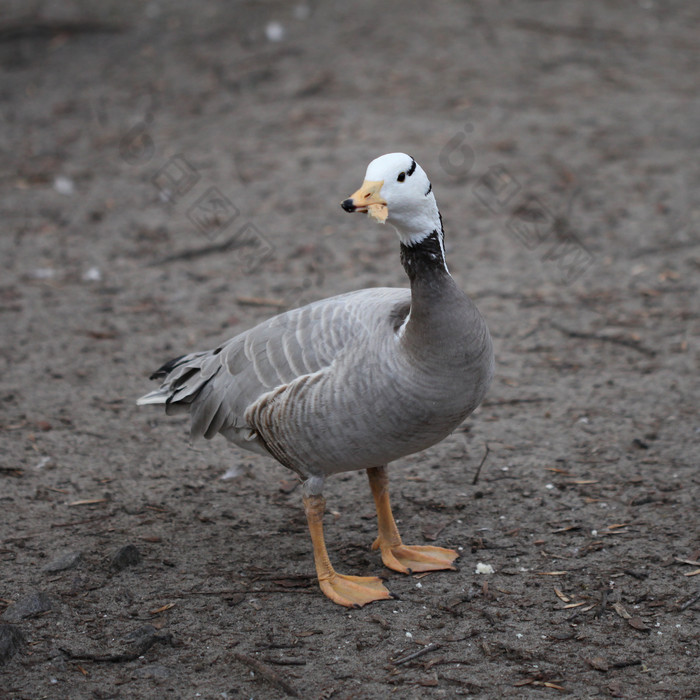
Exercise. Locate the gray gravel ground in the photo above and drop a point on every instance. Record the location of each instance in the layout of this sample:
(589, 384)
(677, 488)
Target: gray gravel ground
(171, 174)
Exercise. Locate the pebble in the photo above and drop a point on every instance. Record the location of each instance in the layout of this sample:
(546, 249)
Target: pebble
(29, 606)
(141, 635)
(125, 556)
(11, 639)
(64, 185)
(274, 31)
(93, 274)
(68, 560)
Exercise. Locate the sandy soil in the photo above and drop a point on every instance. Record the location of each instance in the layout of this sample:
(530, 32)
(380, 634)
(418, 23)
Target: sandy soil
(171, 174)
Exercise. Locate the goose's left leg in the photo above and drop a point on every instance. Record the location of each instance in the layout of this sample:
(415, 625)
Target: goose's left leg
(350, 591)
(396, 555)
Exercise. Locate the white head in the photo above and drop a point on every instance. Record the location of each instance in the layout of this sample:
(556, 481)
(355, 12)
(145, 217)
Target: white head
(396, 189)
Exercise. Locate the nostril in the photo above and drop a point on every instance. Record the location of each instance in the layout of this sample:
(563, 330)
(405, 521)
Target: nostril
(348, 205)
(368, 195)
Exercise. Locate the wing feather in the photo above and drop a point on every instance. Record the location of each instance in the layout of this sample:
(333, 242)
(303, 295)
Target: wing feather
(289, 354)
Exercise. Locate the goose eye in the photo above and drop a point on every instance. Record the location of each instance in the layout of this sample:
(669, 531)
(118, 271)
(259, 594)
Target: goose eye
(401, 177)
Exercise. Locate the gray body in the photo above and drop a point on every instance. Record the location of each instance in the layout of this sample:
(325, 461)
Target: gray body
(342, 384)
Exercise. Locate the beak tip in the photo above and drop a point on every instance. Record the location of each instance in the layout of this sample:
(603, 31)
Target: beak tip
(348, 205)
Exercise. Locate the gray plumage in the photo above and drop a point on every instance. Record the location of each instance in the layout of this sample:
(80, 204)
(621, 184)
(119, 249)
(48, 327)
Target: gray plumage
(340, 384)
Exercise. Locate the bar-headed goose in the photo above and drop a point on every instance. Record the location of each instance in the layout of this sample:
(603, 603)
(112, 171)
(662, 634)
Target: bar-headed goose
(354, 381)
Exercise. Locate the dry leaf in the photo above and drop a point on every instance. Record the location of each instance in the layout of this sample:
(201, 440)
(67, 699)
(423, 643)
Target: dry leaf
(598, 663)
(165, 607)
(692, 562)
(638, 624)
(620, 610)
(562, 596)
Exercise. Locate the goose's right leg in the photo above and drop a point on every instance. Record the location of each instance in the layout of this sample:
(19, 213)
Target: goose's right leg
(350, 591)
(409, 559)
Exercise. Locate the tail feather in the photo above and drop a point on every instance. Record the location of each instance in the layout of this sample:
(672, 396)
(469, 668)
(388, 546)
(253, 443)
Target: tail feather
(187, 387)
(168, 367)
(154, 397)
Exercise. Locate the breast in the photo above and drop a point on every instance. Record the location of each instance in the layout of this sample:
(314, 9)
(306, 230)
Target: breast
(374, 405)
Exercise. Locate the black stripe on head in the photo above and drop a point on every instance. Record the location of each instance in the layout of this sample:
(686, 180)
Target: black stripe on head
(430, 189)
(412, 169)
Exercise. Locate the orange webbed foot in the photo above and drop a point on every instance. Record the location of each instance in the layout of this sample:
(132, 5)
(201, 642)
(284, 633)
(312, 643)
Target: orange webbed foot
(411, 559)
(354, 591)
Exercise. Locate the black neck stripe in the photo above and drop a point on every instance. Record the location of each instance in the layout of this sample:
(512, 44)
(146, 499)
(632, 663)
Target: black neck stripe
(424, 258)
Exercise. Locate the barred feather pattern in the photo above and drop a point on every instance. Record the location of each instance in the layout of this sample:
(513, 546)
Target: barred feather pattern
(334, 386)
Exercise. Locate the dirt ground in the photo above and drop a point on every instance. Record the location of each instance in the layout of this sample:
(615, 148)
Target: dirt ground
(171, 174)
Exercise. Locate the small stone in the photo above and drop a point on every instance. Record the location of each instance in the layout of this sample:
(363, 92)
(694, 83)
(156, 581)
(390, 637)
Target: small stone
(274, 31)
(141, 639)
(141, 635)
(92, 274)
(68, 560)
(11, 639)
(29, 606)
(598, 663)
(64, 185)
(125, 556)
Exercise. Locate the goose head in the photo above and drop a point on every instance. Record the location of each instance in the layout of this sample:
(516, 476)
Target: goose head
(397, 190)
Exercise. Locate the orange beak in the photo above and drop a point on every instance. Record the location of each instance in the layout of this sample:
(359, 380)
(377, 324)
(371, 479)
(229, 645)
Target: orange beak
(368, 199)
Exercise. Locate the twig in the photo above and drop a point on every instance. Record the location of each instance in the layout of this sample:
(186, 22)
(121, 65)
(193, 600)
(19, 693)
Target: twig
(442, 661)
(286, 662)
(511, 402)
(29, 535)
(626, 342)
(82, 522)
(294, 590)
(692, 562)
(691, 602)
(268, 674)
(654, 250)
(119, 658)
(596, 34)
(409, 657)
(195, 253)
(46, 29)
(481, 464)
